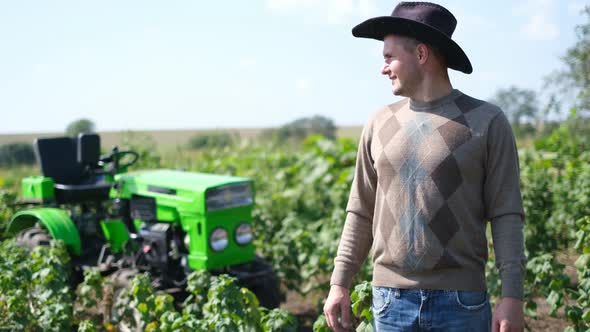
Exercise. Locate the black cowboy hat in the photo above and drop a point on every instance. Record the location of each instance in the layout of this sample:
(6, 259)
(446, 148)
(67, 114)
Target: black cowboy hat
(427, 22)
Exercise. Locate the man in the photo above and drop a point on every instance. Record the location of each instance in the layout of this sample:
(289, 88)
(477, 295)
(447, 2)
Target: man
(431, 170)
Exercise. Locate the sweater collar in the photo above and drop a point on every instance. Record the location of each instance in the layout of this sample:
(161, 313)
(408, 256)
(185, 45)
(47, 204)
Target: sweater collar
(422, 105)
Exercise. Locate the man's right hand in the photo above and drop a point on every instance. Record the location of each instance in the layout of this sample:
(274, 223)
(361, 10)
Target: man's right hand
(338, 301)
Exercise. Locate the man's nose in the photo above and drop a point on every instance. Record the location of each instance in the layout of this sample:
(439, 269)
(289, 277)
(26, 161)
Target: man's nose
(385, 70)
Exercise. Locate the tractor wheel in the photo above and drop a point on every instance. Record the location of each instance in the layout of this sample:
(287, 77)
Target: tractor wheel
(121, 280)
(259, 277)
(268, 292)
(33, 237)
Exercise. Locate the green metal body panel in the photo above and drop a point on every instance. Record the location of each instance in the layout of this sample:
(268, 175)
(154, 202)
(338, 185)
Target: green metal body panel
(180, 198)
(57, 222)
(202, 256)
(37, 189)
(138, 223)
(115, 232)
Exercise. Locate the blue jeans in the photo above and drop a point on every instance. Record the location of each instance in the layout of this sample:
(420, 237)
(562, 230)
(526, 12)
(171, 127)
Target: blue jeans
(397, 309)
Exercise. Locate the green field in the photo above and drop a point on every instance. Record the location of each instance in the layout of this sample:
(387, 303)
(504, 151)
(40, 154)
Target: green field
(302, 191)
(166, 138)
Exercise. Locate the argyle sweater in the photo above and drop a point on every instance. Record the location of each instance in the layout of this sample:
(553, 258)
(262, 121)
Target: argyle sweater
(428, 177)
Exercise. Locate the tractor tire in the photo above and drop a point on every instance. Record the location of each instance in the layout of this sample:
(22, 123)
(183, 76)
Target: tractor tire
(259, 277)
(33, 237)
(268, 292)
(121, 279)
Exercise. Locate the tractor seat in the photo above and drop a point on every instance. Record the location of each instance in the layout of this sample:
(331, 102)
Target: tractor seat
(70, 161)
(78, 193)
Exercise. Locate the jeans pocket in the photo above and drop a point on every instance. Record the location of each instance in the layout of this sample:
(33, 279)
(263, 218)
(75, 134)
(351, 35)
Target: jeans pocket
(381, 299)
(469, 300)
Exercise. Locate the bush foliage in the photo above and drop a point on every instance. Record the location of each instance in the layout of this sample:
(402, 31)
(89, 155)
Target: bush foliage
(16, 154)
(212, 140)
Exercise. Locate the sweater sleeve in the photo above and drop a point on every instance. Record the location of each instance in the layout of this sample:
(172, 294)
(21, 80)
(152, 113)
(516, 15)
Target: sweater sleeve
(509, 249)
(504, 208)
(357, 236)
(502, 180)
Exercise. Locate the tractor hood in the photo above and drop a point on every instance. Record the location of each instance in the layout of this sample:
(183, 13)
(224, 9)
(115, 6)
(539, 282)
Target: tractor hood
(164, 179)
(175, 190)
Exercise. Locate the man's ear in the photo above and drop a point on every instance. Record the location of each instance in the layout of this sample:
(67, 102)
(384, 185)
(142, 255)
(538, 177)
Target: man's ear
(422, 53)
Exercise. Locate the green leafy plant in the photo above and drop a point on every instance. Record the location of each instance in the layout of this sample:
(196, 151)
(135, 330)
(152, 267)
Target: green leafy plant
(578, 310)
(34, 287)
(7, 199)
(278, 320)
(90, 307)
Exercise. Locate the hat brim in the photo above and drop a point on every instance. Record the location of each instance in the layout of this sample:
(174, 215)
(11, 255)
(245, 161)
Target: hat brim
(379, 27)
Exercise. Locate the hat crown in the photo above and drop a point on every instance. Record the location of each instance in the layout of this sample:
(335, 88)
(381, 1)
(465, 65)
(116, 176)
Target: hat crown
(427, 13)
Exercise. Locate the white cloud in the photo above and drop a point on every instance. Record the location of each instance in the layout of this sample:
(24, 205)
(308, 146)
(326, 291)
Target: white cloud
(540, 28)
(470, 22)
(539, 16)
(329, 11)
(367, 8)
(340, 10)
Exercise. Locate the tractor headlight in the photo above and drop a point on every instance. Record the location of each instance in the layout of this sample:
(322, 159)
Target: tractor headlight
(187, 241)
(218, 239)
(229, 196)
(244, 234)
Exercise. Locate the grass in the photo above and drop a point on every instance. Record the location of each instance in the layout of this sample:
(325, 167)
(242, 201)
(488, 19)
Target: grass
(10, 178)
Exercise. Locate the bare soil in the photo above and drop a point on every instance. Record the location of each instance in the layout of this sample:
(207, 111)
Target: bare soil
(303, 308)
(544, 322)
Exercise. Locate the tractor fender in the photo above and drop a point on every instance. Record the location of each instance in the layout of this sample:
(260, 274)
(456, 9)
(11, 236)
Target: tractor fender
(57, 221)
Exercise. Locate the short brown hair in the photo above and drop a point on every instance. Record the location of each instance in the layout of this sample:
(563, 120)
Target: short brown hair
(409, 44)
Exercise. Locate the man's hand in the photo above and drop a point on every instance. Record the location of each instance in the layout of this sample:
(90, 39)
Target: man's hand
(508, 316)
(338, 301)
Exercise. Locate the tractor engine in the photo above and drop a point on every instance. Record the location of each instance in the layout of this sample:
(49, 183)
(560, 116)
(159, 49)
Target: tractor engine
(160, 242)
(156, 240)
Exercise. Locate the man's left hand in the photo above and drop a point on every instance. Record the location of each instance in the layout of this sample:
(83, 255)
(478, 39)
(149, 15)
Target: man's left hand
(508, 316)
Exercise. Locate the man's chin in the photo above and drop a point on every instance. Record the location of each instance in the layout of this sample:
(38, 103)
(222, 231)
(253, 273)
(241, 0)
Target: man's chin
(397, 92)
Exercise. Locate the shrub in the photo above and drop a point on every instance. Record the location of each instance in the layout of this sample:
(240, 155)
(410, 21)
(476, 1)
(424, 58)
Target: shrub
(16, 154)
(302, 128)
(211, 140)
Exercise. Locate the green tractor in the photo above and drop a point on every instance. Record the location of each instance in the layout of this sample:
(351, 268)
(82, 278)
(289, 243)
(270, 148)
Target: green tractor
(163, 222)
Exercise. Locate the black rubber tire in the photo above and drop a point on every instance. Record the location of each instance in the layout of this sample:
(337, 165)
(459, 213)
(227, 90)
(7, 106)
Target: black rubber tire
(259, 277)
(33, 237)
(268, 292)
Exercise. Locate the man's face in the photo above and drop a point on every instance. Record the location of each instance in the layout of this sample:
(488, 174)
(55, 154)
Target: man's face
(401, 65)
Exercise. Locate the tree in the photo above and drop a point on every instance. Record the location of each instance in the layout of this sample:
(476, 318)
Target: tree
(303, 127)
(575, 77)
(519, 105)
(80, 126)
(322, 125)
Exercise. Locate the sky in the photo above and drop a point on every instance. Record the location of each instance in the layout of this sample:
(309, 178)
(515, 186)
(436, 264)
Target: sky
(182, 64)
